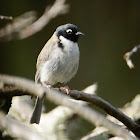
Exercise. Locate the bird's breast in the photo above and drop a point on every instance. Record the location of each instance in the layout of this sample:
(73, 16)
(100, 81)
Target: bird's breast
(63, 63)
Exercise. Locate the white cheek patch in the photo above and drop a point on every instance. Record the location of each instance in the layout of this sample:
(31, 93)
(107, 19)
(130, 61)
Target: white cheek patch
(68, 43)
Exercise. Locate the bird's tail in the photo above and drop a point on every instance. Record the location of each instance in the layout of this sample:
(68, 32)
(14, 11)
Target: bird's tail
(37, 111)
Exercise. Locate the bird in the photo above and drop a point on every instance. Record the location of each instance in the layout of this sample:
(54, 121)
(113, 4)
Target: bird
(57, 63)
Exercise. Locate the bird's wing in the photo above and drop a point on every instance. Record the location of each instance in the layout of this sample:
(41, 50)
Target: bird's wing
(45, 55)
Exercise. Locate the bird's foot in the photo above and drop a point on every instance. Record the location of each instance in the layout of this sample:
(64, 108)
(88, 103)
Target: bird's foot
(65, 88)
(46, 85)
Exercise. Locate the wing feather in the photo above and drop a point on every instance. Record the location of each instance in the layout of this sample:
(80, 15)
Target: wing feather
(45, 55)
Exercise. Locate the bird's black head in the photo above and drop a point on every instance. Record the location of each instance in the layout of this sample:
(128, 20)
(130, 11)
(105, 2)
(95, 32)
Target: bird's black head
(69, 31)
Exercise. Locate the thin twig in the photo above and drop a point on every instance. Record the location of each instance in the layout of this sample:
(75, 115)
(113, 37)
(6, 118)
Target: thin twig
(11, 30)
(6, 17)
(58, 98)
(128, 55)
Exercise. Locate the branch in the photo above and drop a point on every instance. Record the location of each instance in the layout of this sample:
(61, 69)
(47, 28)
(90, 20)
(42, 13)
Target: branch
(18, 129)
(99, 102)
(58, 8)
(11, 91)
(107, 107)
(5, 17)
(12, 30)
(58, 98)
(98, 133)
(58, 124)
(29, 29)
(131, 109)
(129, 54)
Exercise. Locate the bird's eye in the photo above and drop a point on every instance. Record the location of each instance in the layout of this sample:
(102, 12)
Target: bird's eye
(69, 31)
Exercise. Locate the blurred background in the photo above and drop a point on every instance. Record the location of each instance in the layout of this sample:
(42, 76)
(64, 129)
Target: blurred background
(111, 29)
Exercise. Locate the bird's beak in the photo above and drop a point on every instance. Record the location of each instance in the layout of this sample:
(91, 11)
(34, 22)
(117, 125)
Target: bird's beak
(79, 33)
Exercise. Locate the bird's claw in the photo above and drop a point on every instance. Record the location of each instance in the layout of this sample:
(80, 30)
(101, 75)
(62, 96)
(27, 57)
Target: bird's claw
(66, 89)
